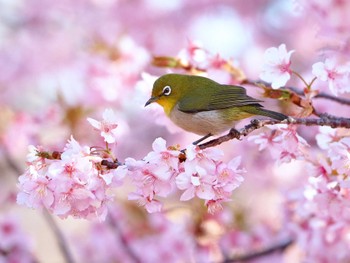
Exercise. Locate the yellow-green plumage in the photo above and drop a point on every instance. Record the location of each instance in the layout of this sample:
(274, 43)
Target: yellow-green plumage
(203, 106)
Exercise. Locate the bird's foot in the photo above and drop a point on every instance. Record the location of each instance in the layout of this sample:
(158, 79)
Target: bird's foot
(236, 134)
(202, 139)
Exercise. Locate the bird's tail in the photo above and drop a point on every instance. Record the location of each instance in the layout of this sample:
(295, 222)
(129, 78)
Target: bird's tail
(268, 113)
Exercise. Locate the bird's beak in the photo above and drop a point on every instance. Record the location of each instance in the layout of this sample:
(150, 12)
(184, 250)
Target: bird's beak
(151, 100)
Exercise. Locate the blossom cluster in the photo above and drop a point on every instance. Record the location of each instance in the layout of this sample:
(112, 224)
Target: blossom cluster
(196, 59)
(72, 184)
(75, 182)
(283, 142)
(199, 173)
(319, 217)
(277, 70)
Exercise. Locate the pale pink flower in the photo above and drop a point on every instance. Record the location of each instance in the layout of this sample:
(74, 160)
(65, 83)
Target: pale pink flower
(194, 153)
(195, 55)
(319, 220)
(266, 140)
(276, 69)
(326, 136)
(107, 126)
(162, 155)
(196, 181)
(336, 76)
(339, 154)
(152, 205)
(229, 176)
(71, 186)
(36, 191)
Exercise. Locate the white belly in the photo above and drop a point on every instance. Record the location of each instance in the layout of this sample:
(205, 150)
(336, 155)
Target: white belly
(201, 123)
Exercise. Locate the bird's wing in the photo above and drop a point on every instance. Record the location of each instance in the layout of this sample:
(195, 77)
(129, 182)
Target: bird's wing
(215, 98)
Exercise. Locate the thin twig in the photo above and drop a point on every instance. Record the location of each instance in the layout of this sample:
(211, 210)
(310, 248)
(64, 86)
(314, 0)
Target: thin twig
(321, 95)
(67, 255)
(122, 239)
(59, 237)
(325, 120)
(253, 255)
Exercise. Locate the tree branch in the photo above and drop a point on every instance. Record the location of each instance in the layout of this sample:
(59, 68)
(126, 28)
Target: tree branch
(324, 120)
(253, 255)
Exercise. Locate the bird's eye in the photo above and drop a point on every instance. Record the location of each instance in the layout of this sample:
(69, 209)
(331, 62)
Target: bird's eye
(166, 90)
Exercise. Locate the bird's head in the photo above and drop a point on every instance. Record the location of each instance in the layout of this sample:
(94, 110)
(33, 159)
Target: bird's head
(168, 90)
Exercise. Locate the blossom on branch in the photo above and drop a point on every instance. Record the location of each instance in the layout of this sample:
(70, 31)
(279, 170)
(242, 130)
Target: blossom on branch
(285, 144)
(276, 69)
(336, 76)
(205, 176)
(107, 126)
(72, 185)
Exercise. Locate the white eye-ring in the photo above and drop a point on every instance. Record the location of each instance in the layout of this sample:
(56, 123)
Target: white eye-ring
(166, 90)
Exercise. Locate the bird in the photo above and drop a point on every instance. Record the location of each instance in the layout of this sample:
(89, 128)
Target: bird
(202, 106)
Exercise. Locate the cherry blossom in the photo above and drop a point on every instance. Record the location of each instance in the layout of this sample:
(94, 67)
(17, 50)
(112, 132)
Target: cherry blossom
(203, 175)
(276, 69)
(285, 144)
(320, 220)
(336, 76)
(70, 186)
(107, 126)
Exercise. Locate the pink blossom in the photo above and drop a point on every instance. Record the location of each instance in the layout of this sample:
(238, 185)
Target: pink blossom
(285, 144)
(320, 220)
(70, 186)
(153, 176)
(195, 55)
(276, 69)
(339, 154)
(161, 154)
(152, 205)
(266, 140)
(205, 176)
(107, 126)
(326, 136)
(336, 76)
(196, 181)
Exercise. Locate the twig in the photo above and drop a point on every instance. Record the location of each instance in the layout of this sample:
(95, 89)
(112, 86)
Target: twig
(122, 239)
(323, 95)
(59, 237)
(253, 255)
(52, 224)
(325, 120)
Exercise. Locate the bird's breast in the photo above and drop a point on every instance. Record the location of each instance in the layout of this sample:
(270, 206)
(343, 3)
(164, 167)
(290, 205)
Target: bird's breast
(202, 123)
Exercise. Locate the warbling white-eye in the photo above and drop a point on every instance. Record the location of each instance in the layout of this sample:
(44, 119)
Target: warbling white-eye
(203, 106)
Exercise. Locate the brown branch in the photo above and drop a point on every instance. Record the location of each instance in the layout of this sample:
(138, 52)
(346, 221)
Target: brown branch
(321, 95)
(253, 255)
(340, 100)
(325, 120)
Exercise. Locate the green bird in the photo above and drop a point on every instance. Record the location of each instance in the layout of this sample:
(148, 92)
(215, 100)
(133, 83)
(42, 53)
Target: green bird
(203, 106)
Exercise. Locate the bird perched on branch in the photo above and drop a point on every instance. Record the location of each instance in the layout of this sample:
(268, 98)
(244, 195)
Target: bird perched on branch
(203, 106)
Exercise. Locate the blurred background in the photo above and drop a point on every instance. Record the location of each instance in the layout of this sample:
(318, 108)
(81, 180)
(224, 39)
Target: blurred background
(64, 61)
